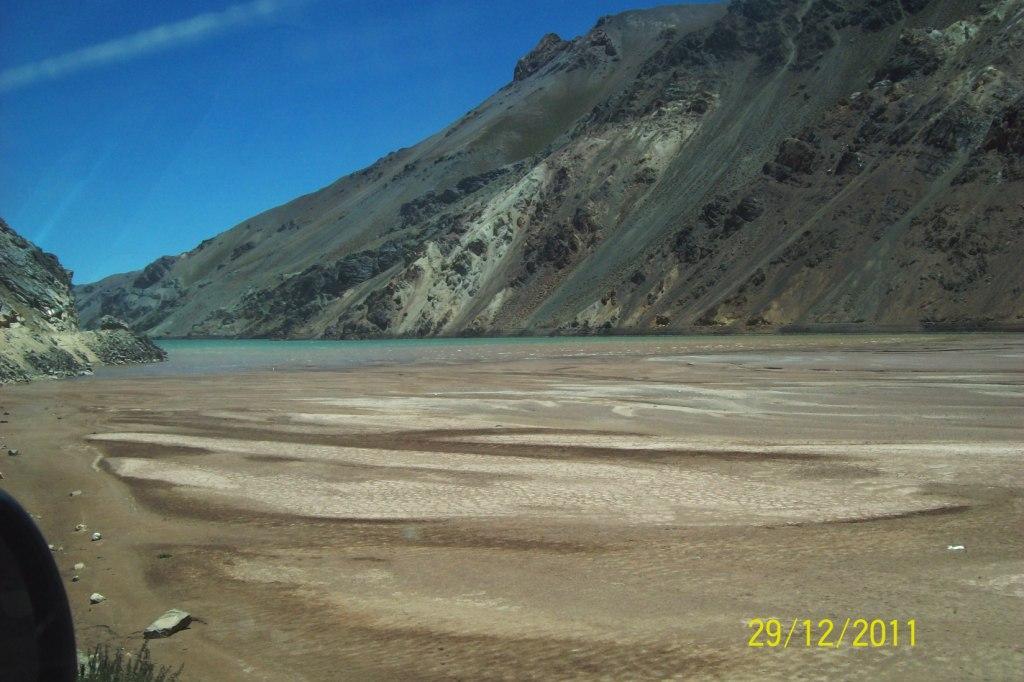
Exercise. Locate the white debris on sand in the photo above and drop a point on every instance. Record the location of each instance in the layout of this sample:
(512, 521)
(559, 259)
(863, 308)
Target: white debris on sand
(166, 625)
(96, 598)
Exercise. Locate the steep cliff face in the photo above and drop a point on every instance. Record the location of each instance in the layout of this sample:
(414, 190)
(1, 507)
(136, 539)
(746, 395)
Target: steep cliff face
(34, 288)
(767, 165)
(39, 334)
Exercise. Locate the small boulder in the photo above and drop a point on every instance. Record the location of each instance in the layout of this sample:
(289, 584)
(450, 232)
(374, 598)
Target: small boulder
(749, 209)
(96, 536)
(74, 493)
(850, 163)
(110, 323)
(96, 598)
(79, 566)
(796, 155)
(166, 625)
(13, 453)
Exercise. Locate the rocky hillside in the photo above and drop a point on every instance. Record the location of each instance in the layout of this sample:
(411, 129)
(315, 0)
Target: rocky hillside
(773, 164)
(39, 333)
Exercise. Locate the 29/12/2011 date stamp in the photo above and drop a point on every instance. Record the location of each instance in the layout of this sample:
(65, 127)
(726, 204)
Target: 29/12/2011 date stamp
(828, 633)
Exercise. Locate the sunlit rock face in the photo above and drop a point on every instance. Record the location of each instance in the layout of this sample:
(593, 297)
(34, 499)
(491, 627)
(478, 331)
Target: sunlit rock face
(39, 333)
(34, 288)
(762, 166)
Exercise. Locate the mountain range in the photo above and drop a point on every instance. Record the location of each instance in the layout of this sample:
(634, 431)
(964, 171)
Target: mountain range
(766, 165)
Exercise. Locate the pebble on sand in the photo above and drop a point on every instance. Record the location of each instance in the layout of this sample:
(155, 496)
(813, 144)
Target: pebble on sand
(79, 566)
(13, 453)
(166, 625)
(96, 536)
(96, 598)
(74, 493)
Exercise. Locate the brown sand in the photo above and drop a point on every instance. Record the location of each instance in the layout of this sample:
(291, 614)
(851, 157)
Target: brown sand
(616, 515)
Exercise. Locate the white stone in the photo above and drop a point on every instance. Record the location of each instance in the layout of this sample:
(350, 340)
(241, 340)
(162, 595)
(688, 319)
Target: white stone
(96, 598)
(167, 624)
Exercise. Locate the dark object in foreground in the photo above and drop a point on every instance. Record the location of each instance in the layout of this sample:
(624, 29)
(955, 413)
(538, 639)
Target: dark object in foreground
(37, 639)
(114, 665)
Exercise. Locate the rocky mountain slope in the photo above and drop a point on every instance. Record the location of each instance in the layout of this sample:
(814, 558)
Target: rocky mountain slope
(39, 334)
(773, 164)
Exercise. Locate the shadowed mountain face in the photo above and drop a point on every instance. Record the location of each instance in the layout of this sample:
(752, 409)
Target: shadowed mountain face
(772, 164)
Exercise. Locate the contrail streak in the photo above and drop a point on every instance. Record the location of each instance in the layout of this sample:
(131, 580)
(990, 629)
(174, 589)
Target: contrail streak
(151, 40)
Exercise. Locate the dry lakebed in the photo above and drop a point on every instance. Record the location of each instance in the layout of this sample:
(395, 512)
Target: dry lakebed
(609, 508)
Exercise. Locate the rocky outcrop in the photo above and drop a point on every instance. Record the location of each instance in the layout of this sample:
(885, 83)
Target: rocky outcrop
(541, 55)
(769, 165)
(33, 286)
(153, 272)
(39, 334)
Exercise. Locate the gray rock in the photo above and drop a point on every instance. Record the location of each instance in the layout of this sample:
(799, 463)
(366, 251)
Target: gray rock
(96, 598)
(37, 283)
(109, 322)
(153, 273)
(13, 453)
(546, 50)
(166, 625)
(96, 536)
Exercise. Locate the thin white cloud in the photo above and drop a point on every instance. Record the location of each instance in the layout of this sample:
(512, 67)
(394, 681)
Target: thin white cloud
(151, 40)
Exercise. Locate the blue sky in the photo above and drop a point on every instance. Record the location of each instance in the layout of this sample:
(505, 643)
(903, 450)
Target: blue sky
(130, 129)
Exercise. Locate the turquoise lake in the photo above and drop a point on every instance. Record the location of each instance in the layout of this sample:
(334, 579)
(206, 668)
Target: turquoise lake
(253, 355)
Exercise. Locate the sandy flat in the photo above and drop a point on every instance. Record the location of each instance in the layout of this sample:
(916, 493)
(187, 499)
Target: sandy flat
(522, 512)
